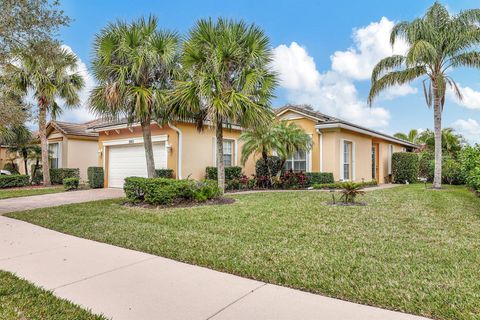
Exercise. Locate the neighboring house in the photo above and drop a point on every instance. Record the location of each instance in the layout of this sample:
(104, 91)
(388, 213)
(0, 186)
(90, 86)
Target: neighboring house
(177, 146)
(350, 151)
(71, 146)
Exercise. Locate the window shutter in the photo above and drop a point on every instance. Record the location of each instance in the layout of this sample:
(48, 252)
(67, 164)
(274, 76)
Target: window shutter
(342, 146)
(390, 153)
(353, 161)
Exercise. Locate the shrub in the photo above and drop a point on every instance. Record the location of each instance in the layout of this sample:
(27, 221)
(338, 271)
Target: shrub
(14, 180)
(293, 180)
(339, 185)
(425, 158)
(161, 191)
(350, 191)
(274, 163)
(452, 172)
(11, 167)
(57, 175)
(470, 166)
(230, 173)
(71, 183)
(95, 177)
(319, 177)
(37, 178)
(405, 167)
(164, 173)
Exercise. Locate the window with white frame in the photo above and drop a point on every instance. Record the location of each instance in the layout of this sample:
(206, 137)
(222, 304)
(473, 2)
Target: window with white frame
(390, 154)
(297, 162)
(347, 160)
(54, 154)
(228, 153)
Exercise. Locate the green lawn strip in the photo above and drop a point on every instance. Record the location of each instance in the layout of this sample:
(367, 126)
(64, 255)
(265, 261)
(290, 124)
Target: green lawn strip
(19, 300)
(410, 249)
(25, 192)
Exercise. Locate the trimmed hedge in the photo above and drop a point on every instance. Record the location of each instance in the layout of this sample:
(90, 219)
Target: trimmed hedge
(57, 175)
(319, 178)
(161, 191)
(230, 173)
(405, 167)
(164, 173)
(95, 177)
(71, 183)
(273, 162)
(14, 180)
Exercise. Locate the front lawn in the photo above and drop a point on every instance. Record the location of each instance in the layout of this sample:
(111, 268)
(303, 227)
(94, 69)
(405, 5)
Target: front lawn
(28, 191)
(20, 300)
(410, 249)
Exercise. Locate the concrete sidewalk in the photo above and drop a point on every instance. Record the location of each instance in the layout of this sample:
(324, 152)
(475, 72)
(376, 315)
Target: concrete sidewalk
(126, 284)
(57, 199)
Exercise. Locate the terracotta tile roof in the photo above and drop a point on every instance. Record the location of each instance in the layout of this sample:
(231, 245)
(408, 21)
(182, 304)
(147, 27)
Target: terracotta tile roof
(74, 129)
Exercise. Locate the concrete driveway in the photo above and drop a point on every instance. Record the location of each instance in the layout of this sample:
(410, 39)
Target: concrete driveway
(57, 199)
(126, 284)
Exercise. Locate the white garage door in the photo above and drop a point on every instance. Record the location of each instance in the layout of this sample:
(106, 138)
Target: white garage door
(129, 160)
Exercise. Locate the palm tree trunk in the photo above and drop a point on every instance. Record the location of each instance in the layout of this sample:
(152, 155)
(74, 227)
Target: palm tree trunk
(437, 118)
(147, 142)
(25, 163)
(42, 131)
(220, 163)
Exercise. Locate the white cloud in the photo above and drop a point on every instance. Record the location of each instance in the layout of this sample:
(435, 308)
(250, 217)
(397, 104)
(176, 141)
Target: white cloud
(81, 113)
(371, 44)
(333, 92)
(469, 128)
(470, 97)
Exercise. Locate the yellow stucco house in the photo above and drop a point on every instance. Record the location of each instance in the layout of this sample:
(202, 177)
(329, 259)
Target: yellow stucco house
(349, 151)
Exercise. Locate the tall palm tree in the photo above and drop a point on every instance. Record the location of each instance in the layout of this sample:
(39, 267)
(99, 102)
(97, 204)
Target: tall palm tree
(19, 141)
(49, 71)
(412, 136)
(226, 79)
(133, 63)
(437, 42)
(283, 138)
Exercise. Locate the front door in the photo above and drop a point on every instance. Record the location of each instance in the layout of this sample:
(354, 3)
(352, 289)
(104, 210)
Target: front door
(375, 169)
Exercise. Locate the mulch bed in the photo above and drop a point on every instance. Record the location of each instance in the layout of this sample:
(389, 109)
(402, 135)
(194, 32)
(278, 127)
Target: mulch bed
(182, 204)
(343, 204)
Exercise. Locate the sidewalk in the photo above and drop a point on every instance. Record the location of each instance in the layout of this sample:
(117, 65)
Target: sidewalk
(126, 284)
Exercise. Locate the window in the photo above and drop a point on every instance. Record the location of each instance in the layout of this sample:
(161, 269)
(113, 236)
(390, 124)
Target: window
(390, 153)
(347, 160)
(298, 162)
(53, 151)
(228, 153)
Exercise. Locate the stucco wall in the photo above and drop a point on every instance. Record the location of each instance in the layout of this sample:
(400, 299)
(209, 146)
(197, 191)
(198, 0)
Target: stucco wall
(81, 154)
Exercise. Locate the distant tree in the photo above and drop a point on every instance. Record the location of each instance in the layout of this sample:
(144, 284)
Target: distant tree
(134, 65)
(25, 21)
(226, 79)
(49, 71)
(452, 142)
(437, 42)
(412, 136)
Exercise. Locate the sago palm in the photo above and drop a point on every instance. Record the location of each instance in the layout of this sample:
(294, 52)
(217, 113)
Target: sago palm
(49, 72)
(437, 43)
(226, 79)
(133, 64)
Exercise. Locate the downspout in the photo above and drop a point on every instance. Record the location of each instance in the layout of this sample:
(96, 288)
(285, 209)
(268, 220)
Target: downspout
(179, 159)
(321, 149)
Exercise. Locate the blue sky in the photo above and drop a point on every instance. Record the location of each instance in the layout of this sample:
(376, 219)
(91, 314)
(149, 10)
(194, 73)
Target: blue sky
(324, 51)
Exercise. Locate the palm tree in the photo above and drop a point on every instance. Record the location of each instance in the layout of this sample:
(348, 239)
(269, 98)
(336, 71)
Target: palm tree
(283, 138)
(133, 64)
(226, 79)
(452, 142)
(437, 42)
(19, 141)
(412, 136)
(49, 71)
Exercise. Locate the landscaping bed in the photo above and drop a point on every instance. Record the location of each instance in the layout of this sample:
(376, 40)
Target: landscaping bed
(21, 300)
(410, 249)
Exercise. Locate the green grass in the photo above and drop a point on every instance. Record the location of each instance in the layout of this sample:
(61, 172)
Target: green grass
(24, 192)
(20, 300)
(410, 249)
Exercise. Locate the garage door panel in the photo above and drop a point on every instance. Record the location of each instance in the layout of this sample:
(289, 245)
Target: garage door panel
(129, 161)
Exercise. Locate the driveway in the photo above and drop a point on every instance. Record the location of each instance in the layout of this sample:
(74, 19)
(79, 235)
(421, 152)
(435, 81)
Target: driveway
(126, 284)
(57, 199)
